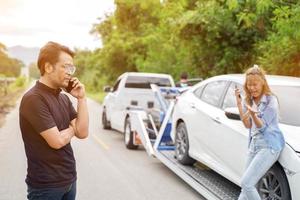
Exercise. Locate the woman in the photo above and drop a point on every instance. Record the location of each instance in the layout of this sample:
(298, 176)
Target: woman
(259, 113)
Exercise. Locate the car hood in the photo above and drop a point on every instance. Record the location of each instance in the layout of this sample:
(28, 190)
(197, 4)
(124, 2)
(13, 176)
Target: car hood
(291, 136)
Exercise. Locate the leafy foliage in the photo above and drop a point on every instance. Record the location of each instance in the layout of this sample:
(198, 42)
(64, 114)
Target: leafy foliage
(9, 66)
(202, 37)
(34, 72)
(280, 53)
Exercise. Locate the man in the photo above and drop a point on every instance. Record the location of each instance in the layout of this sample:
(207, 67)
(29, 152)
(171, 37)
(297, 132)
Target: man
(48, 122)
(183, 80)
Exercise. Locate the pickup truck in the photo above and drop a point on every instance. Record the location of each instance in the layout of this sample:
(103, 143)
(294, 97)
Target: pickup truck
(132, 89)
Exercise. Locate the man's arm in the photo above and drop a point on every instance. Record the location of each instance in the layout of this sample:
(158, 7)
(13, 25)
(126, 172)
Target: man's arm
(58, 139)
(81, 123)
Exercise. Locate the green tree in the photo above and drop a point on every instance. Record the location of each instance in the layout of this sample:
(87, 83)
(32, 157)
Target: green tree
(9, 66)
(280, 53)
(34, 72)
(123, 33)
(203, 37)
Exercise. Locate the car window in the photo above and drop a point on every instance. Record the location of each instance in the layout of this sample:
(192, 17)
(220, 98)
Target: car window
(116, 86)
(198, 91)
(145, 81)
(213, 92)
(289, 106)
(230, 100)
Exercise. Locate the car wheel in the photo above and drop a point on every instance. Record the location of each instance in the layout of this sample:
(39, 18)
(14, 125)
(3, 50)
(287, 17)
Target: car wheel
(128, 135)
(182, 145)
(274, 185)
(105, 122)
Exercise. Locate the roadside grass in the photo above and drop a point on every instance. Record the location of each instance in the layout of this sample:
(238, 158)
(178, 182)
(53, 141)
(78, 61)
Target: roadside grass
(97, 96)
(8, 101)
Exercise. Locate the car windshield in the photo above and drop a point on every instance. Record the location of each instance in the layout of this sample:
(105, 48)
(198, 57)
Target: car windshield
(145, 81)
(289, 106)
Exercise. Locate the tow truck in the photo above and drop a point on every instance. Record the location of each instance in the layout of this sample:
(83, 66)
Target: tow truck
(208, 183)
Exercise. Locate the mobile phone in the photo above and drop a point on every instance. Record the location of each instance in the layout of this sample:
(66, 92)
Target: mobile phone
(70, 87)
(235, 86)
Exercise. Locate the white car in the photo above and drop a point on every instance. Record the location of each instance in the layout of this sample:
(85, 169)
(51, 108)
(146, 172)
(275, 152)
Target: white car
(207, 128)
(132, 89)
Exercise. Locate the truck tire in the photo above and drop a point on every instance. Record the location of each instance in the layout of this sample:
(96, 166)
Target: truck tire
(105, 122)
(128, 135)
(182, 145)
(274, 184)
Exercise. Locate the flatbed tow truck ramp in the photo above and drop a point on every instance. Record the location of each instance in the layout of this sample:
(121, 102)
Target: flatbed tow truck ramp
(208, 183)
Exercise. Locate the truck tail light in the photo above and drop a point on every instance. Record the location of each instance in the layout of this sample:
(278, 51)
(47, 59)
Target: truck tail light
(133, 102)
(150, 104)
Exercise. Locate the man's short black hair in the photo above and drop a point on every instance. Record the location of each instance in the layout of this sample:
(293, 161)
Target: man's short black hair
(50, 53)
(184, 75)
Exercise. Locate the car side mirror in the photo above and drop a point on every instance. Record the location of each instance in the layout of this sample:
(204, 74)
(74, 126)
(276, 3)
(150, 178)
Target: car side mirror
(107, 88)
(233, 113)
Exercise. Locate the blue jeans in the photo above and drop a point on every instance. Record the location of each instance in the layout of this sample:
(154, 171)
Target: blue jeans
(61, 193)
(260, 160)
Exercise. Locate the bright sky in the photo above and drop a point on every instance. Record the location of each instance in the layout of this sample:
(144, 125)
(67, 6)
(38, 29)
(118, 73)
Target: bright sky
(32, 23)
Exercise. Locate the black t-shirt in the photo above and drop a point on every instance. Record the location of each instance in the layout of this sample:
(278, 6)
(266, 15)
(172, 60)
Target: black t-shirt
(42, 108)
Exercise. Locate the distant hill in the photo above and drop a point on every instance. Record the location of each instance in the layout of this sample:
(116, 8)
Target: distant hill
(25, 54)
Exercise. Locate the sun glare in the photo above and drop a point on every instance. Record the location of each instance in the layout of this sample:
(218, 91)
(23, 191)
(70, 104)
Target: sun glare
(34, 22)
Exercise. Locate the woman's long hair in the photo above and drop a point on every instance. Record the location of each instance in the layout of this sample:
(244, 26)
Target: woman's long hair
(255, 70)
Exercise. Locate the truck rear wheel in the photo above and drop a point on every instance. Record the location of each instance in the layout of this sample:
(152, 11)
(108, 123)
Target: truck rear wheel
(128, 135)
(105, 122)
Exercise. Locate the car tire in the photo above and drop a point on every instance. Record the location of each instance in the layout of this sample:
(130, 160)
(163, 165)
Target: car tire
(274, 184)
(128, 135)
(182, 145)
(105, 122)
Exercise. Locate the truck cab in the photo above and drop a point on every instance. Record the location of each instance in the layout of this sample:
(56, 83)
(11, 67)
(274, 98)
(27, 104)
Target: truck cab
(132, 89)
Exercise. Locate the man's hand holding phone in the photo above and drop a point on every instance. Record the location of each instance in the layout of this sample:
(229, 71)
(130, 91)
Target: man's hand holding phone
(76, 88)
(70, 86)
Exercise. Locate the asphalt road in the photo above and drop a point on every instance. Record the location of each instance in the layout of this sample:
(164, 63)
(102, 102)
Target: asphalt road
(105, 168)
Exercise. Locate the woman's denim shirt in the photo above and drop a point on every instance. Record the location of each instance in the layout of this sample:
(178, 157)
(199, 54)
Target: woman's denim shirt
(269, 132)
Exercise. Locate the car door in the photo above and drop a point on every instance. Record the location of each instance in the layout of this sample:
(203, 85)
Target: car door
(223, 140)
(111, 102)
(232, 143)
(205, 123)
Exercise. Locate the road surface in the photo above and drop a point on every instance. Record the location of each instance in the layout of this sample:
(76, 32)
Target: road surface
(105, 168)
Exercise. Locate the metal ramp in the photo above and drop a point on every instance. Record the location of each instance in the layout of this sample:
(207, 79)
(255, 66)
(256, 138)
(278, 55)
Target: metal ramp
(208, 183)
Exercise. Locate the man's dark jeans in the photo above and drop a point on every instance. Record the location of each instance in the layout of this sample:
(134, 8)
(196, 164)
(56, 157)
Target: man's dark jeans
(62, 193)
